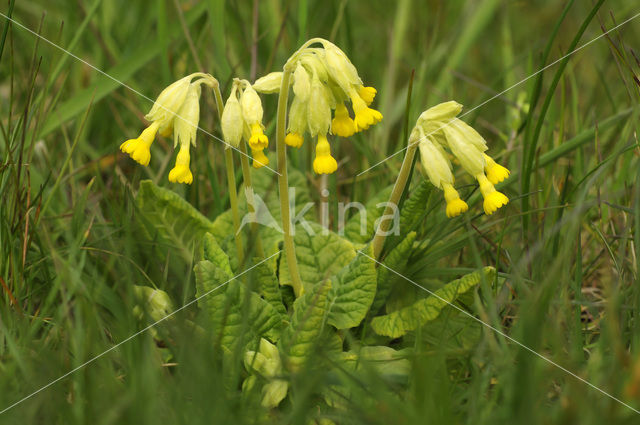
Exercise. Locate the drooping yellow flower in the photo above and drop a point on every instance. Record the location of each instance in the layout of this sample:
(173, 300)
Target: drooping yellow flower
(252, 112)
(365, 116)
(324, 163)
(259, 158)
(367, 94)
(181, 172)
(495, 172)
(140, 148)
(342, 125)
(294, 140)
(455, 205)
(493, 199)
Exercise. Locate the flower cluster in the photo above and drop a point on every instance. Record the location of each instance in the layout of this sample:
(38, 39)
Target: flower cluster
(438, 128)
(324, 80)
(242, 118)
(177, 111)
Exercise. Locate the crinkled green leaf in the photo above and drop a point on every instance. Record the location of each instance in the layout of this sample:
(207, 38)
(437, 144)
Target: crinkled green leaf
(236, 314)
(410, 318)
(269, 287)
(211, 251)
(303, 335)
(414, 207)
(352, 291)
(320, 256)
(354, 229)
(175, 223)
(395, 260)
(384, 360)
(453, 333)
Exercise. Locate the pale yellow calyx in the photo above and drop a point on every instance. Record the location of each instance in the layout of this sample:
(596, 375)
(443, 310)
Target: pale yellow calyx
(301, 83)
(433, 159)
(367, 94)
(298, 116)
(319, 110)
(181, 172)
(493, 200)
(441, 113)
(259, 158)
(168, 103)
(342, 125)
(185, 124)
(365, 116)
(495, 172)
(258, 140)
(251, 106)
(268, 84)
(294, 140)
(470, 157)
(324, 163)
(140, 148)
(340, 68)
(455, 205)
(232, 122)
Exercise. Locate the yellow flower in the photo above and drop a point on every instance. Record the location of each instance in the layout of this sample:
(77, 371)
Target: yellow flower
(342, 125)
(493, 199)
(258, 139)
(365, 116)
(181, 172)
(324, 163)
(139, 148)
(455, 205)
(259, 158)
(367, 94)
(495, 172)
(294, 140)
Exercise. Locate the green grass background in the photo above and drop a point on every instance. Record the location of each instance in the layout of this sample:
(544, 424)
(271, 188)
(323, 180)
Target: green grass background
(566, 245)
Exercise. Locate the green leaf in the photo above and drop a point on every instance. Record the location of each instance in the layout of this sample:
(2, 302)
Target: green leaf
(211, 251)
(395, 260)
(237, 315)
(452, 333)
(352, 291)
(269, 287)
(303, 335)
(169, 218)
(410, 318)
(414, 207)
(354, 231)
(320, 256)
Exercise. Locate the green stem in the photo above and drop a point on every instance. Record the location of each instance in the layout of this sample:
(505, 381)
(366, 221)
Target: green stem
(248, 191)
(396, 193)
(233, 200)
(283, 184)
(231, 177)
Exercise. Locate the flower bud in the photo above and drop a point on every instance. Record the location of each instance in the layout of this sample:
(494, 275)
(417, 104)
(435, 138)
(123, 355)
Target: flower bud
(470, 157)
(441, 112)
(435, 162)
(232, 122)
(269, 84)
(156, 302)
(340, 67)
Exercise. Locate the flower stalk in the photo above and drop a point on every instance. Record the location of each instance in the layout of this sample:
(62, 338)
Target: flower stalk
(394, 198)
(283, 181)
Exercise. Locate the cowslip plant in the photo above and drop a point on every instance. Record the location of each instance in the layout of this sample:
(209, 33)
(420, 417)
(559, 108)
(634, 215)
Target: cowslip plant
(309, 293)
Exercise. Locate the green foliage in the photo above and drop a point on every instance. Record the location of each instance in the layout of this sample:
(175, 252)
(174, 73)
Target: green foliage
(320, 253)
(170, 220)
(410, 318)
